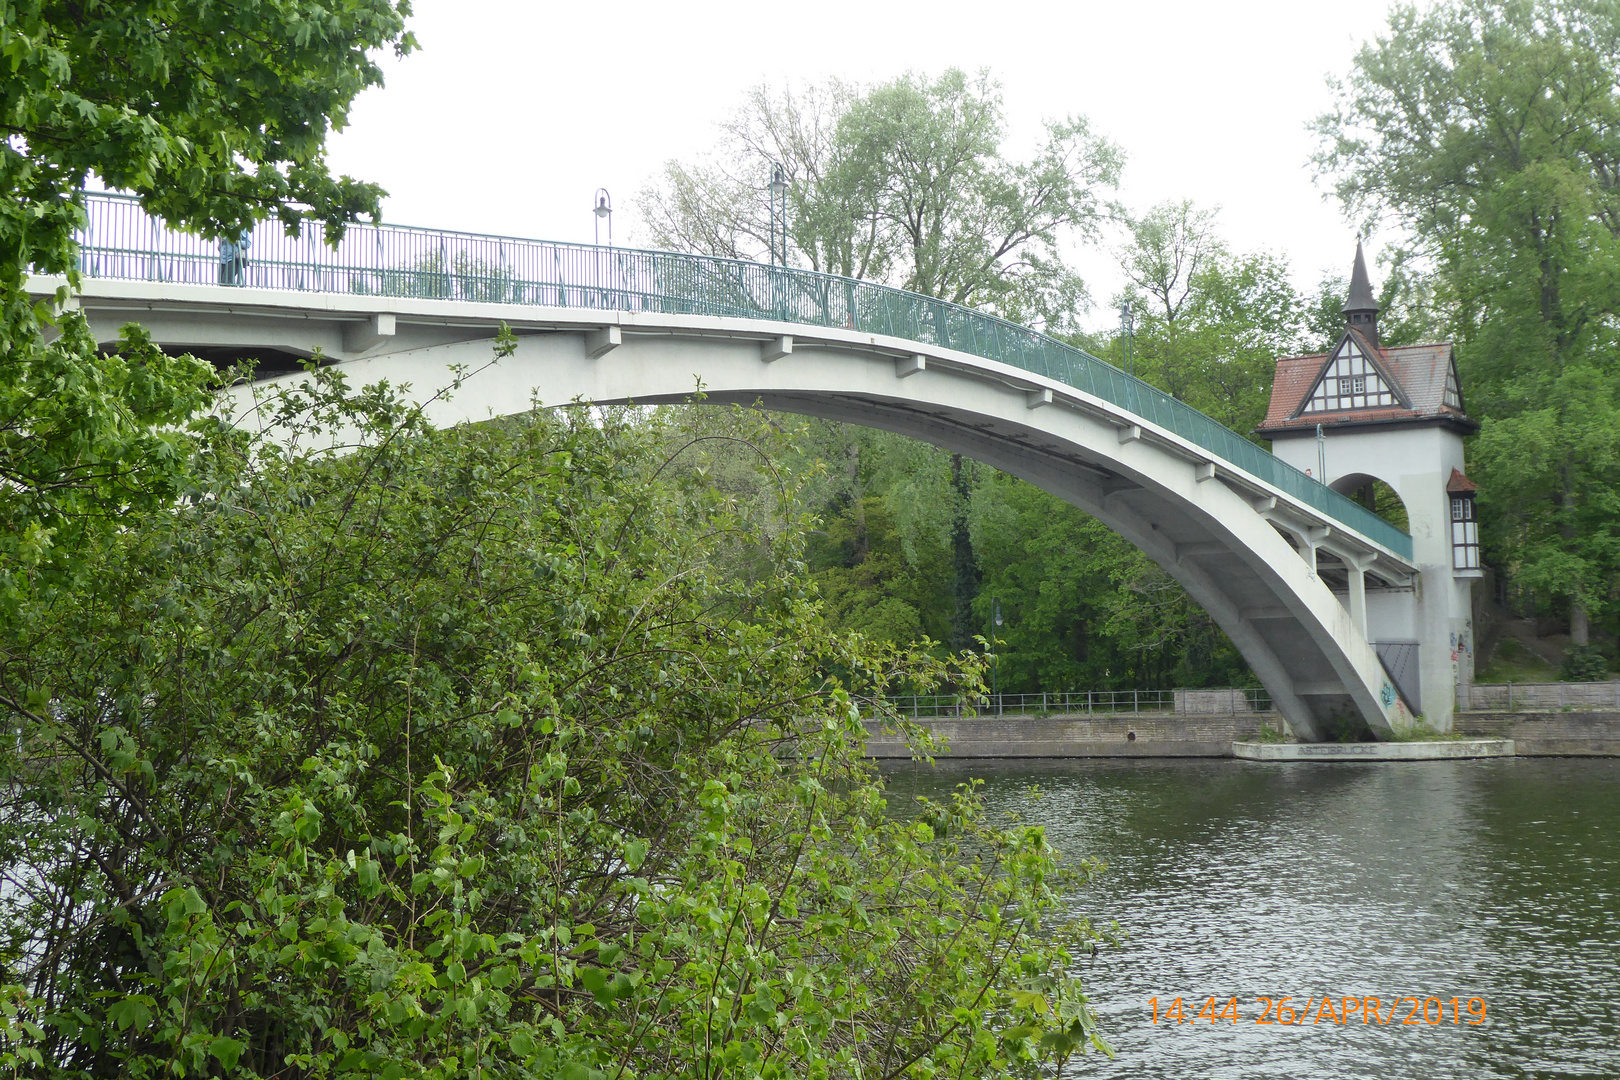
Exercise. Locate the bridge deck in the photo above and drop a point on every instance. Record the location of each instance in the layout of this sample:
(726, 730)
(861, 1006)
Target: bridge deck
(120, 241)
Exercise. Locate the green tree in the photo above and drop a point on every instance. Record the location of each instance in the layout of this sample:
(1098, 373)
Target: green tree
(718, 204)
(216, 115)
(1082, 608)
(467, 754)
(908, 183)
(1490, 130)
(1209, 324)
(973, 227)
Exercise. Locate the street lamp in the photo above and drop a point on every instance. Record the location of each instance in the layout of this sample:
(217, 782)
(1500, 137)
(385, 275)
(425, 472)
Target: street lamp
(604, 209)
(779, 186)
(1127, 330)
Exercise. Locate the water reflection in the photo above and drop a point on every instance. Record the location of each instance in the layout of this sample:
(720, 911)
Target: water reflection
(1497, 879)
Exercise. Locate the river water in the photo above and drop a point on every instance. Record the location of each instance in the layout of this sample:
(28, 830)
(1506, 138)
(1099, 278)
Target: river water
(1492, 879)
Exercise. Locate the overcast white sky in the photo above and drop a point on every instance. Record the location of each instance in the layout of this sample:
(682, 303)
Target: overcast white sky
(512, 114)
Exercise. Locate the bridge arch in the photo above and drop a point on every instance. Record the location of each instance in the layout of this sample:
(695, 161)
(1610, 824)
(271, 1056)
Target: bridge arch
(1229, 538)
(1377, 493)
(1245, 534)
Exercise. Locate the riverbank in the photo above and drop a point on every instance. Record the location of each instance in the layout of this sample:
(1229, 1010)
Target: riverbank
(1163, 735)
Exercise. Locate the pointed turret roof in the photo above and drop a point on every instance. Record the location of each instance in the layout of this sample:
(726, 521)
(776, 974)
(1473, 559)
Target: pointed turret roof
(1361, 294)
(1359, 382)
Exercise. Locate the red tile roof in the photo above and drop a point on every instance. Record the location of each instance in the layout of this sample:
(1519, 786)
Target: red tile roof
(1293, 381)
(1418, 370)
(1459, 484)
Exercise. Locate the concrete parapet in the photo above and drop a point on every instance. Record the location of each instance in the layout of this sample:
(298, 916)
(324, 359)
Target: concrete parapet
(1439, 750)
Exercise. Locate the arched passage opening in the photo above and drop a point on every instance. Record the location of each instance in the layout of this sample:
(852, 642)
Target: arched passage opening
(1375, 495)
(1392, 627)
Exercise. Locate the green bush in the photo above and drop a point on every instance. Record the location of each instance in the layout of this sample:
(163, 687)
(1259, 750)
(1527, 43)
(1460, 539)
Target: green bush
(516, 750)
(1584, 663)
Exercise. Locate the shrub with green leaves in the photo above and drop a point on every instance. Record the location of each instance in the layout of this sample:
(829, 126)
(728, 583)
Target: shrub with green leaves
(215, 114)
(1585, 663)
(472, 753)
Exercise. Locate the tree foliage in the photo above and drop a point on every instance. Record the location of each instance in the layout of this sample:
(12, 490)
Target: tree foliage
(469, 753)
(215, 114)
(1209, 324)
(906, 183)
(1082, 608)
(1490, 130)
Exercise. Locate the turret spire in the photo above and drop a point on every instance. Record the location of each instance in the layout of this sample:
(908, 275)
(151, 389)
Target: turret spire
(1360, 309)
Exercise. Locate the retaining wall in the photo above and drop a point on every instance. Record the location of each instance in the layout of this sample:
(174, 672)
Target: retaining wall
(1523, 697)
(1142, 735)
(1117, 735)
(1536, 734)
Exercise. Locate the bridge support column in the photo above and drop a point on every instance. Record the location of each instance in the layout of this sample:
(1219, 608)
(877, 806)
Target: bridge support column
(1357, 568)
(1358, 598)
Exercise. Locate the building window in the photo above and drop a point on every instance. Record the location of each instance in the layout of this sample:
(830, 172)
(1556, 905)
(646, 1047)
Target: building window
(1464, 534)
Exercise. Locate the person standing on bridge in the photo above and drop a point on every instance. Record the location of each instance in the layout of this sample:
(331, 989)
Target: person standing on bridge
(233, 258)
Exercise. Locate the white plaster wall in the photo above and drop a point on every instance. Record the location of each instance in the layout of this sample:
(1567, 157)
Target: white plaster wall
(1416, 462)
(1391, 615)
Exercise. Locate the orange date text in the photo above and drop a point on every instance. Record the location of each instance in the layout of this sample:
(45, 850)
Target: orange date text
(1324, 1009)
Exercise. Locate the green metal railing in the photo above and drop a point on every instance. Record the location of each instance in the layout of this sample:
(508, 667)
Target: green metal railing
(121, 241)
(1206, 702)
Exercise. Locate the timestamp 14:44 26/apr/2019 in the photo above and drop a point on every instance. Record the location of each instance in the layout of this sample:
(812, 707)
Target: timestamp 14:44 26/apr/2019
(1326, 1010)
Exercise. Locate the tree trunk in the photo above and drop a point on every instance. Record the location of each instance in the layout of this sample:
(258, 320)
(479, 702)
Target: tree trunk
(1580, 626)
(965, 587)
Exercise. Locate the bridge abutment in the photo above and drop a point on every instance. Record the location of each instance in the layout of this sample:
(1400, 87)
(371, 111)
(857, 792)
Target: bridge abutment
(1362, 416)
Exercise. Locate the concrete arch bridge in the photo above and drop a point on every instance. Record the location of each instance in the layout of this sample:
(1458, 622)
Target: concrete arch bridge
(1280, 562)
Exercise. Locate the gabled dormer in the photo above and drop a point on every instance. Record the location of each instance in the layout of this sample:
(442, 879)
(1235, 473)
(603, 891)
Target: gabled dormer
(1453, 395)
(1353, 377)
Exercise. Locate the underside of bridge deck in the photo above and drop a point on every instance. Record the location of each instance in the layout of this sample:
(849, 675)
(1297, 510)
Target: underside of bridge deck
(1260, 561)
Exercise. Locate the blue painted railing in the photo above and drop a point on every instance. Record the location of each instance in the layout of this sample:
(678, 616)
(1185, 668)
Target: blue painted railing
(122, 241)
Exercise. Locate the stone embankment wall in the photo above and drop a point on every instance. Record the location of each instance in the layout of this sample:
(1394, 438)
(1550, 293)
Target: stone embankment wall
(1519, 697)
(1098, 735)
(1142, 735)
(1536, 734)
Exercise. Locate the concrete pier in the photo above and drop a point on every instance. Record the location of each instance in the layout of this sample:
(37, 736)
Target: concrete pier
(1438, 750)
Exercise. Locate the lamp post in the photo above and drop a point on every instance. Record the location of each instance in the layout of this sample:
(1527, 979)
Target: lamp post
(604, 209)
(995, 657)
(1127, 331)
(778, 200)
